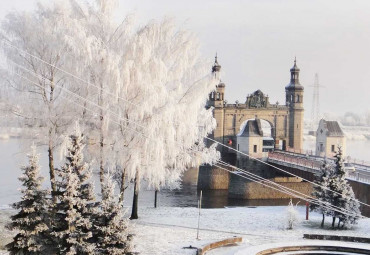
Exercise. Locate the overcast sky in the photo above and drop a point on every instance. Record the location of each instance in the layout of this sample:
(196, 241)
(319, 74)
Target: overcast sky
(257, 41)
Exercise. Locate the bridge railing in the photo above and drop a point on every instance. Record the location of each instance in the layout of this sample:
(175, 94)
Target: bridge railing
(357, 176)
(315, 164)
(359, 162)
(301, 161)
(310, 153)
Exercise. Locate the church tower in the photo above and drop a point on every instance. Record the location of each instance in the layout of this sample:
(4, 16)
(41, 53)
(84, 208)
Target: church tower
(294, 101)
(216, 97)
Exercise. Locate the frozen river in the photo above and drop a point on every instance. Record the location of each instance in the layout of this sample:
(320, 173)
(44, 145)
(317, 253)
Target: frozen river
(13, 155)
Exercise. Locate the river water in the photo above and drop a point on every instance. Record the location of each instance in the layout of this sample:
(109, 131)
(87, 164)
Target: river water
(13, 155)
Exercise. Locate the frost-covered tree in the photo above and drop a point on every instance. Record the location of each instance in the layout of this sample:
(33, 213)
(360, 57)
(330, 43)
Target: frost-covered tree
(35, 46)
(151, 82)
(111, 227)
(166, 83)
(320, 191)
(343, 196)
(31, 218)
(74, 210)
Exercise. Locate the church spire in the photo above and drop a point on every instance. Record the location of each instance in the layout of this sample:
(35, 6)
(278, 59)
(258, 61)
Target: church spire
(294, 75)
(216, 67)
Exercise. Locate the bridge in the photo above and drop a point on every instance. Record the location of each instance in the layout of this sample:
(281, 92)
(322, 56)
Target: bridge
(306, 166)
(312, 164)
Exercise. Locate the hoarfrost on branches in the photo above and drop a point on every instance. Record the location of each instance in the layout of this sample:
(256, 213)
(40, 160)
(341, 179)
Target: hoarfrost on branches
(292, 215)
(74, 210)
(33, 213)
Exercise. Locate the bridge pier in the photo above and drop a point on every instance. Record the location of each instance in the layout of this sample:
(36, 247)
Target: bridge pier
(212, 178)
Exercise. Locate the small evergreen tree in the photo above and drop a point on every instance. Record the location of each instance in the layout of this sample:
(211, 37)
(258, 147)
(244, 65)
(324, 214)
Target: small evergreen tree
(74, 209)
(343, 197)
(31, 218)
(321, 192)
(111, 229)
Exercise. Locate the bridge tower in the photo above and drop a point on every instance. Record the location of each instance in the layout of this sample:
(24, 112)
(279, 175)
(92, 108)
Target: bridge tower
(216, 97)
(294, 101)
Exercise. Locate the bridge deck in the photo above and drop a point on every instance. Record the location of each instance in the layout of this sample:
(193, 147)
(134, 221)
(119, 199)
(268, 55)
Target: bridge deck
(312, 164)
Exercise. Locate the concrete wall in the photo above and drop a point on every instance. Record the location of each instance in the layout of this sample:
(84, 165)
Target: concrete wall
(212, 178)
(242, 189)
(362, 193)
(336, 141)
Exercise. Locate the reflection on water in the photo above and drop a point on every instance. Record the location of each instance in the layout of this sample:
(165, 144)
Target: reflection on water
(188, 197)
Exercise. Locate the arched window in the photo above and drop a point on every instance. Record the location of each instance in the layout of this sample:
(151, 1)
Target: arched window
(297, 98)
(218, 95)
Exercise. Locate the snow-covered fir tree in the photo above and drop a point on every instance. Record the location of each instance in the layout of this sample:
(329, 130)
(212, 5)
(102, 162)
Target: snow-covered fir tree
(74, 209)
(321, 192)
(33, 210)
(111, 229)
(343, 197)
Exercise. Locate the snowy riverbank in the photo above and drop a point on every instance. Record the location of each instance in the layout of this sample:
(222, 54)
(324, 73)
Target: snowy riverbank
(166, 230)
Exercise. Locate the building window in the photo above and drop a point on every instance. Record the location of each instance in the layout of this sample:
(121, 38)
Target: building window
(218, 96)
(238, 146)
(332, 148)
(321, 147)
(254, 148)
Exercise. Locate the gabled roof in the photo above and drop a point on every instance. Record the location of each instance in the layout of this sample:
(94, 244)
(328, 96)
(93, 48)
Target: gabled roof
(332, 128)
(252, 128)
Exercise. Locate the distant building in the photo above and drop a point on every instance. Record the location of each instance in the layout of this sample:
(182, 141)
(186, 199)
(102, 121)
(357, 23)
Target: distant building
(329, 136)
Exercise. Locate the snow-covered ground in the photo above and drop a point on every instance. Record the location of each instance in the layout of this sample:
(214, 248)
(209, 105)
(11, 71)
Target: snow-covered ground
(166, 230)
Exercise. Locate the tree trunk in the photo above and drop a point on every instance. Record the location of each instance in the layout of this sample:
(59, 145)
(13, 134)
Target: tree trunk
(122, 188)
(51, 167)
(323, 220)
(51, 144)
(101, 163)
(135, 201)
(333, 223)
(155, 198)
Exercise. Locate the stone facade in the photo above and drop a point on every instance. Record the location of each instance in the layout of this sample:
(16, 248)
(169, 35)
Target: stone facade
(242, 189)
(212, 178)
(286, 120)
